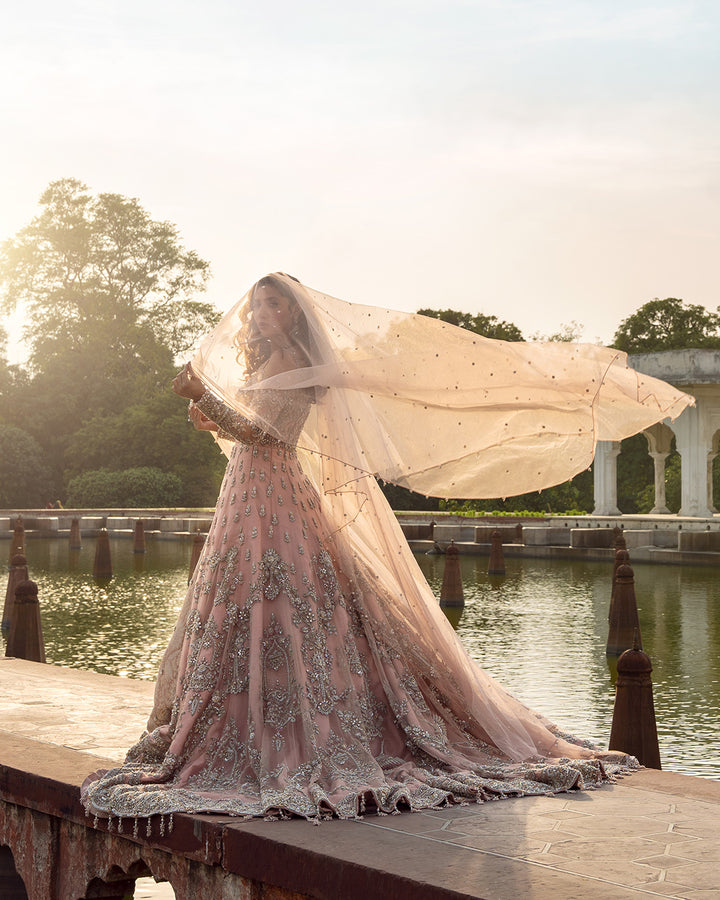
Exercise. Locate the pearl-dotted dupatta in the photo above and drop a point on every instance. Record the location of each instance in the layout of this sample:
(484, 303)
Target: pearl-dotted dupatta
(440, 410)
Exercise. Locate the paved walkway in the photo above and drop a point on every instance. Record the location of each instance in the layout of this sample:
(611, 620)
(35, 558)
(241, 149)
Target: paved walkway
(654, 834)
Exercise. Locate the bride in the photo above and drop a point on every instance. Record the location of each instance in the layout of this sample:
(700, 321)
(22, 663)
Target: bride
(311, 671)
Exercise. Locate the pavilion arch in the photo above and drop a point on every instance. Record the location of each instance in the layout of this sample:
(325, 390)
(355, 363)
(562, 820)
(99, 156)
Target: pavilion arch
(660, 438)
(712, 455)
(696, 431)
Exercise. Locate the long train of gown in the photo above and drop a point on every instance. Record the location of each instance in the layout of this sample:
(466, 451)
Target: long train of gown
(297, 690)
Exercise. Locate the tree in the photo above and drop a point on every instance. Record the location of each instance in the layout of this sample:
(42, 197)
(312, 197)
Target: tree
(134, 488)
(487, 326)
(97, 273)
(669, 324)
(108, 295)
(402, 498)
(5, 376)
(574, 496)
(154, 432)
(569, 333)
(24, 478)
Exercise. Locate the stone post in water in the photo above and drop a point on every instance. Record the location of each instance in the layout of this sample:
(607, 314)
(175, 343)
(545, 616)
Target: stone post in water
(25, 640)
(622, 558)
(619, 541)
(75, 538)
(17, 573)
(451, 592)
(17, 544)
(496, 565)
(623, 614)
(634, 729)
(139, 540)
(102, 567)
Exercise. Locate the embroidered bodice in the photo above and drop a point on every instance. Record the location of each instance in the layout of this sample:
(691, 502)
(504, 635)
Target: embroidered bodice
(282, 412)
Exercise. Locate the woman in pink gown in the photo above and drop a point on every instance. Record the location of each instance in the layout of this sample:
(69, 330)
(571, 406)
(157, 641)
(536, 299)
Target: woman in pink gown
(311, 671)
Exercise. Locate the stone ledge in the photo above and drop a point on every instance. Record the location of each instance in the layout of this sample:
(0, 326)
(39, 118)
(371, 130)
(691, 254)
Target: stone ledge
(491, 851)
(325, 861)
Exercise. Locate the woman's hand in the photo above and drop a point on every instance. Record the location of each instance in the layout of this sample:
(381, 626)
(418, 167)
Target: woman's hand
(200, 420)
(187, 384)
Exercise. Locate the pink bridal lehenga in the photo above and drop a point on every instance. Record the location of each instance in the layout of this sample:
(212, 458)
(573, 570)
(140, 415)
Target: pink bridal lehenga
(311, 671)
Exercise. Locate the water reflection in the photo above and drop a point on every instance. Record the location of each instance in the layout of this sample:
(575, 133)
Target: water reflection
(118, 627)
(541, 631)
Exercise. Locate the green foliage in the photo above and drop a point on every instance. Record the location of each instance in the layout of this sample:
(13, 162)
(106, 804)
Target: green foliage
(473, 509)
(108, 296)
(130, 488)
(402, 498)
(156, 433)
(569, 333)
(669, 324)
(24, 477)
(98, 274)
(487, 326)
(573, 495)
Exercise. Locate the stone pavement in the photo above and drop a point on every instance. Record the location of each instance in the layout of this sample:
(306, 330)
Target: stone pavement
(653, 834)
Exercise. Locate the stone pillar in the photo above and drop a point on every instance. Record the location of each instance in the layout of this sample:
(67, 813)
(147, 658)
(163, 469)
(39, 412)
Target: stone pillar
(17, 573)
(659, 507)
(623, 622)
(605, 478)
(496, 563)
(634, 729)
(17, 544)
(75, 537)
(139, 540)
(659, 438)
(710, 499)
(451, 592)
(102, 567)
(25, 638)
(692, 445)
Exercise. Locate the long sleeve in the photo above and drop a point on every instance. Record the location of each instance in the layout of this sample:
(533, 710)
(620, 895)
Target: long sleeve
(231, 424)
(282, 413)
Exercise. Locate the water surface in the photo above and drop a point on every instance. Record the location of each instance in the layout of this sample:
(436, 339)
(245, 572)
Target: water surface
(541, 631)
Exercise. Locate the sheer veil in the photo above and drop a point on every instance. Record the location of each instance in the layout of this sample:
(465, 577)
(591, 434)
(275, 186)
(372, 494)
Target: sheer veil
(445, 412)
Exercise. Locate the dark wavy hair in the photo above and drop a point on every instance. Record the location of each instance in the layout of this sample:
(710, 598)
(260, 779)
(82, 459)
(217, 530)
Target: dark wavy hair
(248, 340)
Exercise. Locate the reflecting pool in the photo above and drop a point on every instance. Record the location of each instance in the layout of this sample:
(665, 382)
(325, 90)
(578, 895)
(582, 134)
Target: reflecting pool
(541, 630)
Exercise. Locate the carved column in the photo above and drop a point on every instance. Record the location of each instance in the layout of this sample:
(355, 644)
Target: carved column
(710, 499)
(660, 505)
(692, 445)
(605, 478)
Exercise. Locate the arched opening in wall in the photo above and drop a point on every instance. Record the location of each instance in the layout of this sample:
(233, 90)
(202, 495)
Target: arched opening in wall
(635, 475)
(149, 889)
(13, 887)
(661, 443)
(135, 883)
(714, 473)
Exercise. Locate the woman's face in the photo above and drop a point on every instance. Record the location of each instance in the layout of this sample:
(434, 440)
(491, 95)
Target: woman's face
(271, 312)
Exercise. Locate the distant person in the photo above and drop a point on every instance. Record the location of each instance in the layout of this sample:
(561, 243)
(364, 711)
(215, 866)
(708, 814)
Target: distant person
(311, 671)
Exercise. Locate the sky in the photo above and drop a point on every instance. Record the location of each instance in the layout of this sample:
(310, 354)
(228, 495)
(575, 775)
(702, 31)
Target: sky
(544, 162)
